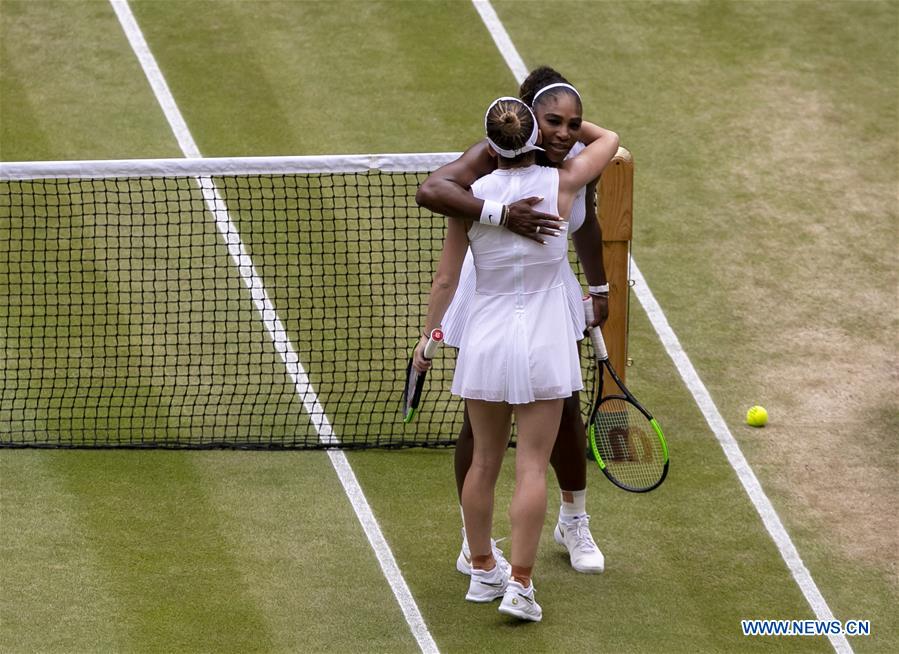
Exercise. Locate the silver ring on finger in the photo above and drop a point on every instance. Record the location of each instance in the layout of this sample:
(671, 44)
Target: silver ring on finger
(537, 231)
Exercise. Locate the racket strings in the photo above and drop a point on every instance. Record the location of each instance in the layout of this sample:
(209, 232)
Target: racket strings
(628, 444)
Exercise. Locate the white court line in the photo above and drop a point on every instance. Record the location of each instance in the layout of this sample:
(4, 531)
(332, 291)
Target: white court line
(277, 333)
(691, 378)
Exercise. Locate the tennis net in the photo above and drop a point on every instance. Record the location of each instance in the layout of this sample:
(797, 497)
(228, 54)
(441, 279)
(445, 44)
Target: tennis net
(243, 303)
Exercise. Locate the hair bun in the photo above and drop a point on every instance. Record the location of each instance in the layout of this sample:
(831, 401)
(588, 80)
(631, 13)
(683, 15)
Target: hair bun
(511, 123)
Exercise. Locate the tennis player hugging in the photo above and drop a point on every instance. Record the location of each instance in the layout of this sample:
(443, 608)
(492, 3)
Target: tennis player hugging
(518, 352)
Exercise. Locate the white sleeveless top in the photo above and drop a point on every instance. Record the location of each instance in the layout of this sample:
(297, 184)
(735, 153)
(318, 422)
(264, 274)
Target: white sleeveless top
(519, 342)
(456, 314)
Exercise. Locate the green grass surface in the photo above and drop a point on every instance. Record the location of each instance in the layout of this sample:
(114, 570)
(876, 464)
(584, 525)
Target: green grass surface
(318, 78)
(168, 551)
(70, 88)
(681, 580)
(766, 155)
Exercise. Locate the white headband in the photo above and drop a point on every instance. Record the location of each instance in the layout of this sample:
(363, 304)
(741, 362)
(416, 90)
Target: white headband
(532, 140)
(558, 85)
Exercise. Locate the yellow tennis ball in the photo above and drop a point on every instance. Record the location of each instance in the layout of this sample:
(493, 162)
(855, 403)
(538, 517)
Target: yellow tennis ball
(757, 416)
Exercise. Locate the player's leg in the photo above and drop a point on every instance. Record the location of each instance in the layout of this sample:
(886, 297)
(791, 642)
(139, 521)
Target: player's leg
(537, 427)
(538, 424)
(570, 465)
(462, 462)
(462, 455)
(491, 423)
(568, 460)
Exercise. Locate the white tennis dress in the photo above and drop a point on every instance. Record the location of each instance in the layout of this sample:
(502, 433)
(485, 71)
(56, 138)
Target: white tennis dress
(453, 322)
(519, 342)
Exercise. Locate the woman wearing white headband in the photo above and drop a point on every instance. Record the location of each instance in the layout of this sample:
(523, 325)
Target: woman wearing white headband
(557, 107)
(519, 349)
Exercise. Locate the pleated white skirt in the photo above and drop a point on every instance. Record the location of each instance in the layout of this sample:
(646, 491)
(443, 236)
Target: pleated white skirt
(518, 349)
(456, 317)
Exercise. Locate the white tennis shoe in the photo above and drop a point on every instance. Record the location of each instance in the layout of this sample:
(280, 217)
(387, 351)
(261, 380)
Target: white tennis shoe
(575, 535)
(463, 561)
(519, 602)
(487, 585)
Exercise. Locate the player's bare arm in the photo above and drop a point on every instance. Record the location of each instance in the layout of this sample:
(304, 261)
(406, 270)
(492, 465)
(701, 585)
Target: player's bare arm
(588, 245)
(446, 279)
(447, 191)
(602, 144)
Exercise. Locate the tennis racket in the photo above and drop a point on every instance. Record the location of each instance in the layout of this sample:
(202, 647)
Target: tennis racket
(415, 381)
(626, 440)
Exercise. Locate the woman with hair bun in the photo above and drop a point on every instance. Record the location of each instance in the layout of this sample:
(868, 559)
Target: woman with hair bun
(518, 354)
(557, 107)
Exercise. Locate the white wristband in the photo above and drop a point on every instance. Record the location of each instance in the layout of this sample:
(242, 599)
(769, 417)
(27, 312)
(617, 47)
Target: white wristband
(598, 290)
(492, 212)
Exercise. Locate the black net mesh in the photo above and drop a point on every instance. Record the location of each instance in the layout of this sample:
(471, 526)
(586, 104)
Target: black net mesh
(245, 311)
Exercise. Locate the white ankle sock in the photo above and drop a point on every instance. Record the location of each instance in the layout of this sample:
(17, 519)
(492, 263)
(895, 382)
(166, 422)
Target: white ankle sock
(577, 508)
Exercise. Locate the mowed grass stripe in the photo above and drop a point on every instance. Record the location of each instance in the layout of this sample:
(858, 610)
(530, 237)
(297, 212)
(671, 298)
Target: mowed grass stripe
(187, 551)
(163, 574)
(54, 593)
(301, 553)
(286, 78)
(67, 88)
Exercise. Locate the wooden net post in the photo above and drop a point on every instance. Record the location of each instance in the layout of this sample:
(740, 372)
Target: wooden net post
(615, 208)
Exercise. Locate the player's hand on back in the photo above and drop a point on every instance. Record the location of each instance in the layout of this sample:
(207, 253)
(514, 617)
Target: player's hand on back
(526, 221)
